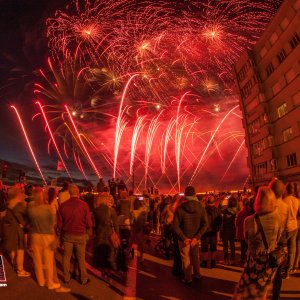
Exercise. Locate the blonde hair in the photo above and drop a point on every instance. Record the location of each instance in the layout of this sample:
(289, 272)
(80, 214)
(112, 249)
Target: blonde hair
(265, 201)
(38, 196)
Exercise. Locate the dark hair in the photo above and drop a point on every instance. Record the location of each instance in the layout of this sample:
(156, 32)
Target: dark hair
(190, 191)
(289, 188)
(130, 192)
(278, 187)
(232, 202)
(28, 190)
(297, 189)
(65, 186)
(51, 194)
(105, 189)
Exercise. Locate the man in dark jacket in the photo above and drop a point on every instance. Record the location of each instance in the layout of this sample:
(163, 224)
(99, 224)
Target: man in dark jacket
(190, 222)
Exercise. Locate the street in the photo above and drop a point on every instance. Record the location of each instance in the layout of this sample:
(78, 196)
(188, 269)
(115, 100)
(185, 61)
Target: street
(153, 280)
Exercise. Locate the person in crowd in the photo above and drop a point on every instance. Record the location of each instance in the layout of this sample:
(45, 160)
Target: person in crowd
(104, 197)
(112, 187)
(190, 222)
(124, 204)
(28, 192)
(89, 198)
(100, 185)
(64, 194)
(168, 218)
(3, 206)
(105, 224)
(53, 202)
(246, 211)
(209, 239)
(43, 241)
(14, 223)
(138, 234)
(75, 223)
(228, 229)
(292, 225)
(282, 209)
(132, 198)
(297, 195)
(257, 276)
(122, 186)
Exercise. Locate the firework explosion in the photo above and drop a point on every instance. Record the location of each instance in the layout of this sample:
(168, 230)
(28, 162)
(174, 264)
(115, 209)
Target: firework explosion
(147, 89)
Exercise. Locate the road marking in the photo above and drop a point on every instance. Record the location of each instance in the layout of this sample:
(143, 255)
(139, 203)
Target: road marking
(130, 290)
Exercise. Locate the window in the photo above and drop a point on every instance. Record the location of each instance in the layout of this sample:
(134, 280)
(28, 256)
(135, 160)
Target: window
(260, 169)
(259, 147)
(287, 134)
(291, 160)
(263, 52)
(276, 88)
(294, 42)
(296, 98)
(273, 164)
(274, 38)
(255, 126)
(270, 69)
(282, 110)
(246, 90)
(243, 72)
(290, 75)
(284, 24)
(281, 56)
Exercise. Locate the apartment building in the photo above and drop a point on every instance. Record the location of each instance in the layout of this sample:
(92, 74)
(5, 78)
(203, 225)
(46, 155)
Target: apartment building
(268, 80)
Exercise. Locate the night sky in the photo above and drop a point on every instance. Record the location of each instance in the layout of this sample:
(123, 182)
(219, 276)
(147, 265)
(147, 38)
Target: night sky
(23, 49)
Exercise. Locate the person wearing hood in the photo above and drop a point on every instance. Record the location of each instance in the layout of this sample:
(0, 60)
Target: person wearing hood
(210, 237)
(190, 222)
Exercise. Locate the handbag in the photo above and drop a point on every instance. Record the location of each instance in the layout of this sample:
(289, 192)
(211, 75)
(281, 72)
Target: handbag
(114, 238)
(275, 257)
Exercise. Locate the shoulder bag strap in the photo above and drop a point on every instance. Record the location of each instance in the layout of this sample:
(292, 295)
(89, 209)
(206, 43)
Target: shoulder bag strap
(261, 230)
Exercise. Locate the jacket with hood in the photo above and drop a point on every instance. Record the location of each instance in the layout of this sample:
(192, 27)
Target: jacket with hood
(214, 218)
(190, 220)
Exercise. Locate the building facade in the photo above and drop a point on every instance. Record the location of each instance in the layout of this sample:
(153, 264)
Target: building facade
(268, 80)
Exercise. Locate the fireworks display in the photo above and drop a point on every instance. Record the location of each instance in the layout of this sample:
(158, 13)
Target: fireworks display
(145, 88)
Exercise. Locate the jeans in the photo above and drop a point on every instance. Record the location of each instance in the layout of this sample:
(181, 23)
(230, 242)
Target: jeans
(79, 243)
(225, 241)
(291, 244)
(190, 260)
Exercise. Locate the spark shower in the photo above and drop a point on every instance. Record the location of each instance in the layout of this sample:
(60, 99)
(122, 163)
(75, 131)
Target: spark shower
(145, 90)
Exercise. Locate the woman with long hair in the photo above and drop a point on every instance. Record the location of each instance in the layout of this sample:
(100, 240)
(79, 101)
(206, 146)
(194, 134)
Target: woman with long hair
(258, 275)
(43, 241)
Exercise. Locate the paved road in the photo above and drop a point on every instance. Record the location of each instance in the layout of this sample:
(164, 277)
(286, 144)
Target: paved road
(153, 280)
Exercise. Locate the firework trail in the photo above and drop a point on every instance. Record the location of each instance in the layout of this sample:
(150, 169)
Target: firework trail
(81, 142)
(52, 137)
(29, 144)
(116, 63)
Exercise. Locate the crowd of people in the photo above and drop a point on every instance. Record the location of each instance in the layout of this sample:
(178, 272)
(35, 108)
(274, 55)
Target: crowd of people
(41, 221)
